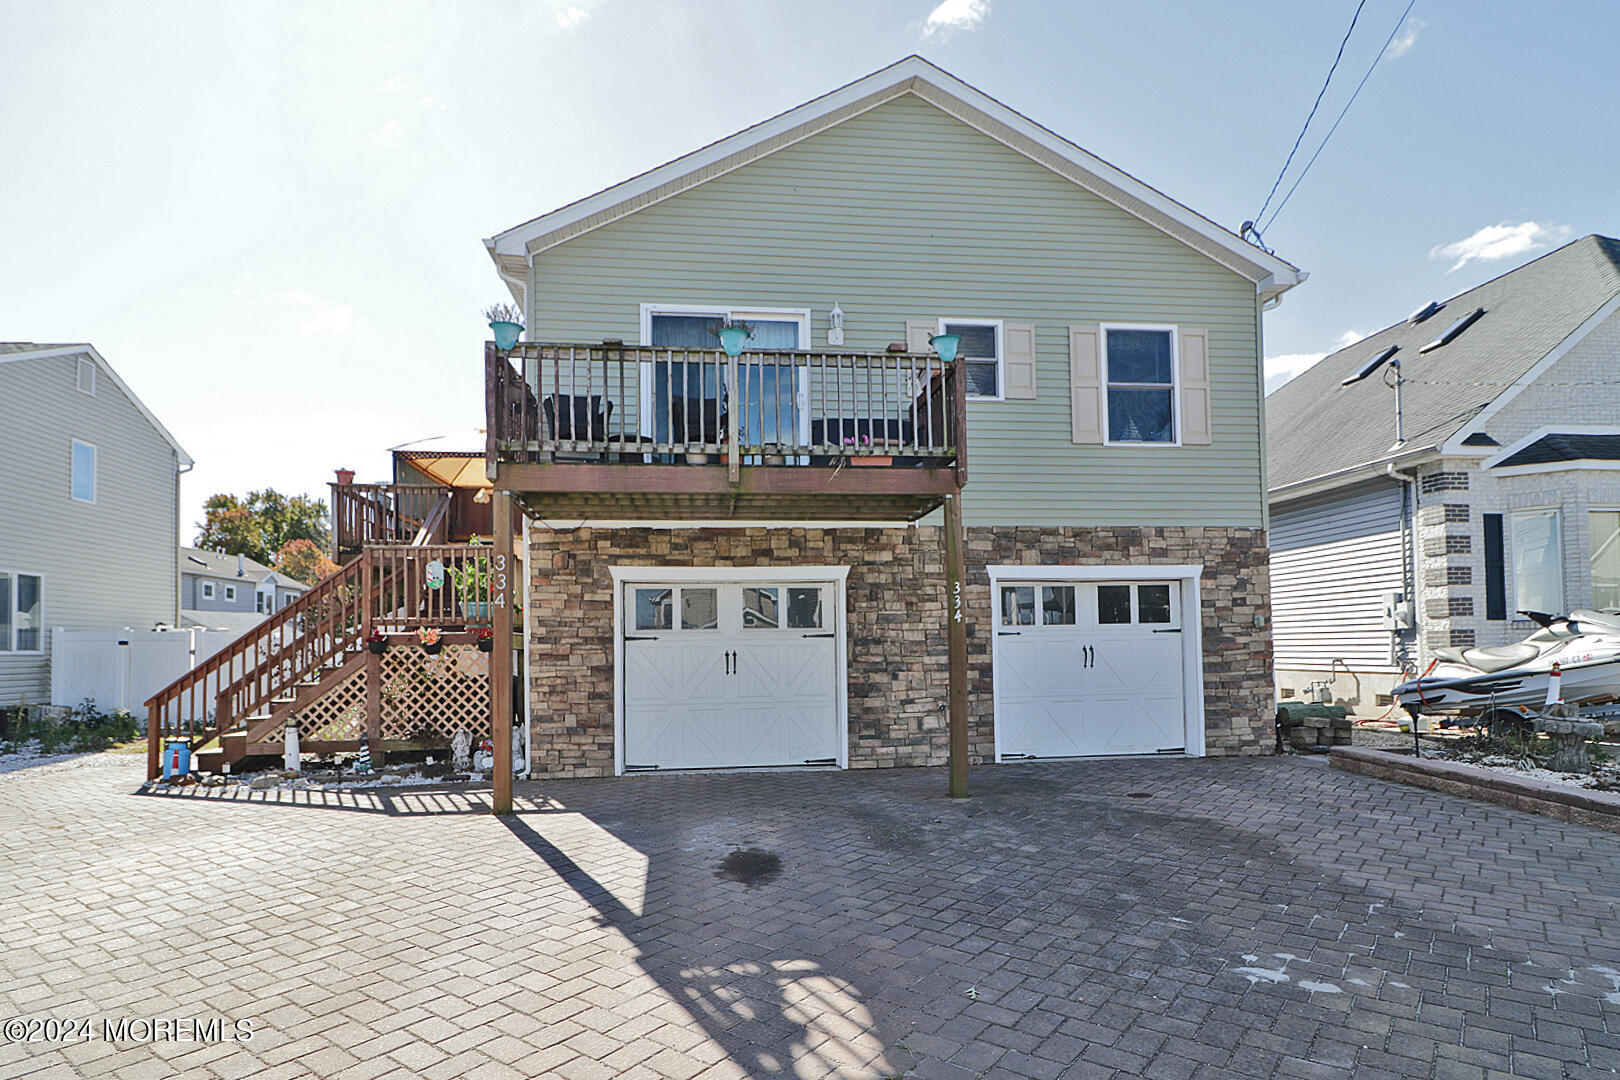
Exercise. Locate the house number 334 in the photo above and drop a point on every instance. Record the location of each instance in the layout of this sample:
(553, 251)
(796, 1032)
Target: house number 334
(498, 581)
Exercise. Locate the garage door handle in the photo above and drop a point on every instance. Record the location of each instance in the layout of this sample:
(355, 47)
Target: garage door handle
(1177, 630)
(818, 635)
(1009, 633)
(631, 638)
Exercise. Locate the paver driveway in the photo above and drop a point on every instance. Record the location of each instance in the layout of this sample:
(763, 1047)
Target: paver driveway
(1250, 918)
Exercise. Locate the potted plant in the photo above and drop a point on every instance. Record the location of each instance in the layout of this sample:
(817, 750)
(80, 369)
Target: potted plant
(377, 642)
(485, 638)
(345, 476)
(472, 582)
(429, 637)
(506, 321)
(866, 459)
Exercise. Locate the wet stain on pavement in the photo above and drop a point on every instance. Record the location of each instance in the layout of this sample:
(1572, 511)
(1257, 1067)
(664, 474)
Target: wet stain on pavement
(751, 866)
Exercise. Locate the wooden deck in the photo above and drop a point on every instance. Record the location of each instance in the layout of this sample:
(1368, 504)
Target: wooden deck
(618, 432)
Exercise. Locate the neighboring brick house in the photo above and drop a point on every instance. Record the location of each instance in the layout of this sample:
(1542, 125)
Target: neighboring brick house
(742, 562)
(1506, 487)
(231, 592)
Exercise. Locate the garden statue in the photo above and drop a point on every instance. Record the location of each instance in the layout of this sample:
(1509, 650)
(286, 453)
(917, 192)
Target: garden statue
(461, 750)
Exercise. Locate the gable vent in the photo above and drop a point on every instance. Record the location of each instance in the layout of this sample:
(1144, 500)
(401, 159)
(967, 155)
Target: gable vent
(1425, 312)
(1372, 365)
(1453, 330)
(87, 376)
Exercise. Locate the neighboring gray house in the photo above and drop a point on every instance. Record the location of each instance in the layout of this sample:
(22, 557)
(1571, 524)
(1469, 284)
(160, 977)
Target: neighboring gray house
(89, 509)
(231, 592)
(1503, 495)
(688, 615)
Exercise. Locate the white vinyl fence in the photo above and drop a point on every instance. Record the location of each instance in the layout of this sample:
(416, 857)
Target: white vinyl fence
(120, 669)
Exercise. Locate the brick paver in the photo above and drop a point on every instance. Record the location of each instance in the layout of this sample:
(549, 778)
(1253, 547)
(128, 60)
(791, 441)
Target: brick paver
(1247, 918)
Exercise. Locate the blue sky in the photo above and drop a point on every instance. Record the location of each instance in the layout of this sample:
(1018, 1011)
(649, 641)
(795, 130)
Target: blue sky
(269, 217)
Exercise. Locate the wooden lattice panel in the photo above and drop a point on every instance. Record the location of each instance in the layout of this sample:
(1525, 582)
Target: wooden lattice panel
(337, 715)
(426, 698)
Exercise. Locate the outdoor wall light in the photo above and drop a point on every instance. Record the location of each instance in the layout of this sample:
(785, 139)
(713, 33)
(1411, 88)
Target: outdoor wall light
(835, 325)
(945, 345)
(732, 338)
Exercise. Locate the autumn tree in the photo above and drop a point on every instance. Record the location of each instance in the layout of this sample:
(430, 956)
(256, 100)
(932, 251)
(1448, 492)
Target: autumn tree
(302, 560)
(260, 525)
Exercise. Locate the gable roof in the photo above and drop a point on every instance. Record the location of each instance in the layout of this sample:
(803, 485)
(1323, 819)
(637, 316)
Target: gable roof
(1561, 446)
(1530, 314)
(511, 250)
(220, 565)
(15, 351)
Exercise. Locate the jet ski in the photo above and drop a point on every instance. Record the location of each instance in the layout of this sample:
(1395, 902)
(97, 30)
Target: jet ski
(1584, 645)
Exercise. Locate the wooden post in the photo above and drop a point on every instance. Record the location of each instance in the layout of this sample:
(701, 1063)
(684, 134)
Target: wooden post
(501, 588)
(956, 635)
(374, 709)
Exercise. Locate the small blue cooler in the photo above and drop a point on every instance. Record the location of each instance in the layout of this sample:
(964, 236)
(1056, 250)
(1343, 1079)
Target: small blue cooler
(176, 759)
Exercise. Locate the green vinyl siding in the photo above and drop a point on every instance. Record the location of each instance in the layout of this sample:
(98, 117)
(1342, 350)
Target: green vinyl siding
(905, 212)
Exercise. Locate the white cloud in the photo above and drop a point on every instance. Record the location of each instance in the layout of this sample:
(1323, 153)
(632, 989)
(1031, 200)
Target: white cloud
(429, 103)
(955, 15)
(317, 315)
(1406, 38)
(387, 135)
(1504, 241)
(1281, 369)
(570, 16)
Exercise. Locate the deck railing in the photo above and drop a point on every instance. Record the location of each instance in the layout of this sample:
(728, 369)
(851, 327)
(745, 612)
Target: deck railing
(625, 404)
(365, 514)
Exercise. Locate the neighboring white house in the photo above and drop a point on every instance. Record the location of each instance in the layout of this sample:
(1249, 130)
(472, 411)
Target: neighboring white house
(1501, 495)
(89, 509)
(231, 592)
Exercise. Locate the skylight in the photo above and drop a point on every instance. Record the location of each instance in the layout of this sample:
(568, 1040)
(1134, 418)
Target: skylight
(1424, 312)
(1454, 329)
(1372, 365)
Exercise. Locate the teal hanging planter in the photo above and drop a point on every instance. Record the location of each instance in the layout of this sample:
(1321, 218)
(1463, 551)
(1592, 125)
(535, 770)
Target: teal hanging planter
(732, 338)
(506, 333)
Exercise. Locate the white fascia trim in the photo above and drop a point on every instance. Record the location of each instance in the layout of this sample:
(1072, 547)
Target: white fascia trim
(1369, 470)
(1557, 467)
(1280, 275)
(1540, 433)
(725, 575)
(1192, 627)
(90, 350)
(1454, 445)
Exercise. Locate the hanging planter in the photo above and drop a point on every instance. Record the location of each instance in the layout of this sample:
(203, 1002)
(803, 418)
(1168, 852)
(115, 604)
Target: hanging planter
(506, 323)
(486, 639)
(376, 642)
(429, 637)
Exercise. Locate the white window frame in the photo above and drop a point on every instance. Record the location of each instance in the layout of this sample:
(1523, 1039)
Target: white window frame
(208, 590)
(1512, 560)
(733, 312)
(1175, 381)
(1591, 581)
(230, 594)
(95, 468)
(1001, 355)
(11, 640)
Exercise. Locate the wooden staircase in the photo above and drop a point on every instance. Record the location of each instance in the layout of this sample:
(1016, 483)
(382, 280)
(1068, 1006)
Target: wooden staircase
(236, 703)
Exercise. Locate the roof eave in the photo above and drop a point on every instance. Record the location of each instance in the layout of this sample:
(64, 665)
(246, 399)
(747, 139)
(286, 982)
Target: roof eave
(1354, 474)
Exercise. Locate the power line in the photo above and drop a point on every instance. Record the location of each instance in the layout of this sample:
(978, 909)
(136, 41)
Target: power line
(1398, 24)
(1314, 106)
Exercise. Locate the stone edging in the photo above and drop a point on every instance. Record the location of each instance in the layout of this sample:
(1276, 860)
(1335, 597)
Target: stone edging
(1582, 806)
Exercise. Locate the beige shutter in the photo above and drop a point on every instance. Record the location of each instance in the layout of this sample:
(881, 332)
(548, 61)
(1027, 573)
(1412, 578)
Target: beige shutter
(1195, 429)
(1018, 345)
(918, 331)
(1086, 401)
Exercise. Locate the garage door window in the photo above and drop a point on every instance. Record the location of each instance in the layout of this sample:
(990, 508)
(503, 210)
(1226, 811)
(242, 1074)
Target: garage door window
(1113, 604)
(759, 609)
(1153, 603)
(1057, 605)
(804, 609)
(700, 609)
(1018, 605)
(655, 609)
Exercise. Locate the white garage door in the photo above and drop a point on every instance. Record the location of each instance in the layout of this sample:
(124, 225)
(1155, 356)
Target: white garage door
(1089, 668)
(730, 675)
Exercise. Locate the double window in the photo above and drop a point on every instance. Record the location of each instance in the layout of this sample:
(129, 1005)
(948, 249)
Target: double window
(1139, 375)
(981, 353)
(22, 612)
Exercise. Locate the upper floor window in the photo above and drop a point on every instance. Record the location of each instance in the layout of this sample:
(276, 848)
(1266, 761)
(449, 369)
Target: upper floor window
(208, 590)
(230, 594)
(981, 354)
(1139, 372)
(84, 472)
(22, 617)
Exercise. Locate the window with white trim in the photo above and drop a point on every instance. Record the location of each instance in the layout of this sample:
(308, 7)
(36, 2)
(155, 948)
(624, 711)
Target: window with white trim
(230, 594)
(1538, 562)
(981, 353)
(208, 590)
(1604, 543)
(1139, 374)
(22, 612)
(83, 481)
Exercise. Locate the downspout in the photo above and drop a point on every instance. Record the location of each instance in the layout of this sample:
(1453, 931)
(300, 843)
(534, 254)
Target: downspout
(1408, 560)
(179, 471)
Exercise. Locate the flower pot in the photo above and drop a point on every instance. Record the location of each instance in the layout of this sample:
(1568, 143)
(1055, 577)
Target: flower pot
(345, 476)
(872, 459)
(477, 610)
(377, 647)
(486, 644)
(433, 649)
(506, 333)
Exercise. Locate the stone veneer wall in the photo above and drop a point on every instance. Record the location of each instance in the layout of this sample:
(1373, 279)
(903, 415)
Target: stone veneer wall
(896, 632)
